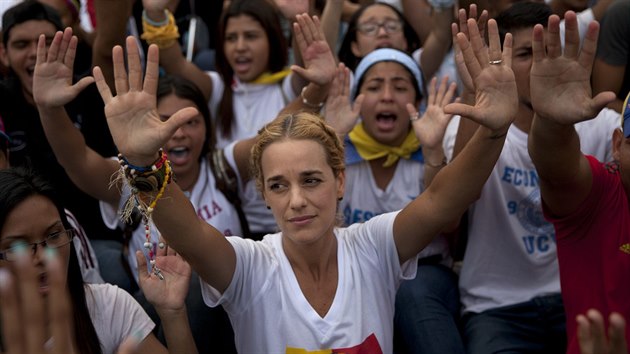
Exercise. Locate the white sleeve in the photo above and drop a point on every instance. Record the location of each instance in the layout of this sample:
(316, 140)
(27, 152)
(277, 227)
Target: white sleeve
(217, 92)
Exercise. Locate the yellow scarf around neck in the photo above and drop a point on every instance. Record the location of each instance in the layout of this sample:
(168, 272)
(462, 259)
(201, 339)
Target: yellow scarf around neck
(370, 149)
(271, 78)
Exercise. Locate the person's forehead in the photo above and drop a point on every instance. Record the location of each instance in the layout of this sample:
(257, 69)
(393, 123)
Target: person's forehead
(31, 29)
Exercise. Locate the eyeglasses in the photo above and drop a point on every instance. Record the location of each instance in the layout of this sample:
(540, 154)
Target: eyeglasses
(56, 240)
(370, 29)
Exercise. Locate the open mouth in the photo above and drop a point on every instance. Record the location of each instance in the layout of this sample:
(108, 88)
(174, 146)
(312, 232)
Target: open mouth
(386, 120)
(178, 155)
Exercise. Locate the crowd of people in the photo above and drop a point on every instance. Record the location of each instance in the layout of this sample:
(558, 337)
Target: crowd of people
(373, 177)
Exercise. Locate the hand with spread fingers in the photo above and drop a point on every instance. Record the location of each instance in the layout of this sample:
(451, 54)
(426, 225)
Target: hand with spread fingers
(341, 113)
(131, 115)
(468, 92)
(430, 128)
(52, 79)
(489, 67)
(319, 62)
(560, 81)
(24, 310)
(169, 292)
(592, 335)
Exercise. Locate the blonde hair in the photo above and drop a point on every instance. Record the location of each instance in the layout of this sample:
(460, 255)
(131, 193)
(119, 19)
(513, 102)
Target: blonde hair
(298, 126)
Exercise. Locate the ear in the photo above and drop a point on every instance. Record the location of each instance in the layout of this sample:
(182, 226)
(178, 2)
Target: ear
(617, 140)
(341, 184)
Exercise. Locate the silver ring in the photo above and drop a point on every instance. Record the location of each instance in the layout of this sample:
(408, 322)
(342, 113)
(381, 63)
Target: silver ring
(414, 117)
(495, 62)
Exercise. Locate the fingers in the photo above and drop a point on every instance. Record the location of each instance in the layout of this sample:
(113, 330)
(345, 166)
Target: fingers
(356, 107)
(571, 35)
(584, 335)
(411, 109)
(507, 50)
(552, 42)
(432, 91)
(471, 65)
(53, 49)
(617, 333)
(141, 262)
(307, 28)
(41, 50)
(153, 70)
(598, 334)
(482, 23)
(494, 42)
(450, 93)
(589, 46)
(538, 46)
(478, 44)
(120, 73)
(64, 45)
(59, 308)
(101, 85)
(135, 68)
(10, 312)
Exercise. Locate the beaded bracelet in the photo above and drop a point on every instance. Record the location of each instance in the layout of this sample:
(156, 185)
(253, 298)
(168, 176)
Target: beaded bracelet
(307, 103)
(133, 169)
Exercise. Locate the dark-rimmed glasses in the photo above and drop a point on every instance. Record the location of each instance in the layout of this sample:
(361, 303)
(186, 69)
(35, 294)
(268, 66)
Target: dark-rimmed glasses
(55, 240)
(370, 29)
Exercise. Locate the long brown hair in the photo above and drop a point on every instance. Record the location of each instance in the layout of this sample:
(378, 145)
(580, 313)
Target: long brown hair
(267, 15)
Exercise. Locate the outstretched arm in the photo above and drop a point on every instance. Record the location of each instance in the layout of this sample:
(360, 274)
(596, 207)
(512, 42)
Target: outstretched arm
(448, 196)
(561, 96)
(171, 57)
(139, 133)
(52, 89)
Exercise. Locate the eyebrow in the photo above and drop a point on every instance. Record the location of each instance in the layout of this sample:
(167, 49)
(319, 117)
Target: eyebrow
(306, 173)
(16, 237)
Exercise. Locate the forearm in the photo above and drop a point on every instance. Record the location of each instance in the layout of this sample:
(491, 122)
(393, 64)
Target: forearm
(465, 132)
(308, 100)
(203, 246)
(174, 63)
(331, 18)
(110, 34)
(87, 169)
(449, 194)
(438, 42)
(177, 331)
(418, 14)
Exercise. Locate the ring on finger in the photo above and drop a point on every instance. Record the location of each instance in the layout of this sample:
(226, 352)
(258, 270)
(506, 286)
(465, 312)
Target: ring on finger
(495, 62)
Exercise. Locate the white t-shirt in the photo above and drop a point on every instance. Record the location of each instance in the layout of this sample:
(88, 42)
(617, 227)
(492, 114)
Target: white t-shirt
(363, 199)
(85, 253)
(115, 315)
(511, 251)
(270, 314)
(254, 106)
(210, 204)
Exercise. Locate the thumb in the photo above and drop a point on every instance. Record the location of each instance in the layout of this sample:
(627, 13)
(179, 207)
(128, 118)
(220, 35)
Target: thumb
(303, 73)
(600, 101)
(141, 260)
(356, 107)
(461, 109)
(82, 84)
(180, 118)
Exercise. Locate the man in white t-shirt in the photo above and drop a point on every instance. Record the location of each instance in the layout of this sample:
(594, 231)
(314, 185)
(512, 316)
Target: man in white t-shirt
(509, 282)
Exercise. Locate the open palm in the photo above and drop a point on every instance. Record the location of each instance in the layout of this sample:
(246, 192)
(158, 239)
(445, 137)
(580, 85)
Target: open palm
(431, 127)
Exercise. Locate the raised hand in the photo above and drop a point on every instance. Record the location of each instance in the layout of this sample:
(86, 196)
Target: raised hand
(494, 85)
(430, 128)
(341, 114)
(560, 81)
(52, 79)
(23, 309)
(468, 92)
(131, 115)
(168, 294)
(592, 336)
(319, 62)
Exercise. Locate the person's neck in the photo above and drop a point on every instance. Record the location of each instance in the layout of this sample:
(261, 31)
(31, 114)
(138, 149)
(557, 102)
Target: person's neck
(187, 181)
(312, 260)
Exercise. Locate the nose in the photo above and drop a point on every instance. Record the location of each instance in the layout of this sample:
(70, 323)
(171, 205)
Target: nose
(387, 93)
(380, 31)
(297, 200)
(240, 43)
(32, 49)
(37, 253)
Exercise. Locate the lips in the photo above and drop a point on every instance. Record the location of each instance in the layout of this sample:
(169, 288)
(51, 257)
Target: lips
(386, 121)
(301, 220)
(43, 283)
(178, 155)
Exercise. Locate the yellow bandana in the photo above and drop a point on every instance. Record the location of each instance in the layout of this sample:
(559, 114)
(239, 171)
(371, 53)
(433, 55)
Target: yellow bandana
(370, 149)
(271, 78)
